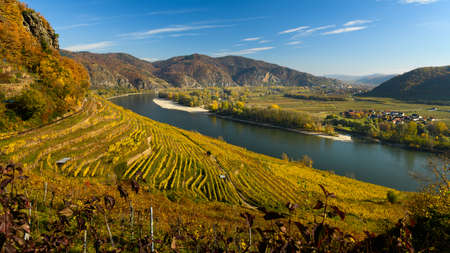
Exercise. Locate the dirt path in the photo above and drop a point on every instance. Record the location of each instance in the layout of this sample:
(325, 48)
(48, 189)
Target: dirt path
(244, 203)
(144, 153)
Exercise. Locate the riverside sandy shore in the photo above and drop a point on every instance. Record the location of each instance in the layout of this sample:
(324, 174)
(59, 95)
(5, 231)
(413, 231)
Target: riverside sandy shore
(168, 104)
(338, 137)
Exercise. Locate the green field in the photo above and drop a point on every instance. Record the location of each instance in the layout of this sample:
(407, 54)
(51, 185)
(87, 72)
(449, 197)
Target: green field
(324, 108)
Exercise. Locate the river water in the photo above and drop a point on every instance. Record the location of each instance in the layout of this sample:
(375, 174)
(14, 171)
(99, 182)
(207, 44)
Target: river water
(370, 162)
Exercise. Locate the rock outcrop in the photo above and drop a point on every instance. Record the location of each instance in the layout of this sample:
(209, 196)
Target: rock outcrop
(40, 28)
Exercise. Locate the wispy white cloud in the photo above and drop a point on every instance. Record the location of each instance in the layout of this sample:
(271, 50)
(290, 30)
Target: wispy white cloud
(252, 39)
(177, 35)
(91, 46)
(294, 30)
(229, 20)
(244, 51)
(418, 1)
(357, 22)
(172, 29)
(292, 43)
(172, 12)
(310, 31)
(69, 27)
(345, 30)
(264, 41)
(320, 28)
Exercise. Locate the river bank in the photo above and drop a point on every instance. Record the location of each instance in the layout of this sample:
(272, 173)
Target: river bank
(338, 137)
(370, 139)
(169, 104)
(366, 161)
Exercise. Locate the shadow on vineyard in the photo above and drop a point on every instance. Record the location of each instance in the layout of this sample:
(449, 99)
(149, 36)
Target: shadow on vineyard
(35, 221)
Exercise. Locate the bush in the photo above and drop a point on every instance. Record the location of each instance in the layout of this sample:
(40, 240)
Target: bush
(432, 231)
(392, 197)
(431, 212)
(120, 168)
(173, 196)
(27, 105)
(307, 161)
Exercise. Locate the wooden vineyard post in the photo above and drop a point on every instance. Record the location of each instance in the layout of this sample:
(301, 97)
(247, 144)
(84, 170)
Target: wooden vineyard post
(151, 227)
(132, 220)
(109, 232)
(45, 192)
(85, 241)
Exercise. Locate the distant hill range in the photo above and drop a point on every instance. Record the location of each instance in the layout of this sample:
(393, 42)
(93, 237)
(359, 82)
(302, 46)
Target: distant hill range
(123, 70)
(430, 83)
(368, 80)
(117, 70)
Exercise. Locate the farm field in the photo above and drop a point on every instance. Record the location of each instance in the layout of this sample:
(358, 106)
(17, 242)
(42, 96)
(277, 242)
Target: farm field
(324, 108)
(106, 143)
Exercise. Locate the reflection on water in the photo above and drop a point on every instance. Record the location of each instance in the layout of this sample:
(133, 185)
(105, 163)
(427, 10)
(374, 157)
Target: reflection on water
(370, 162)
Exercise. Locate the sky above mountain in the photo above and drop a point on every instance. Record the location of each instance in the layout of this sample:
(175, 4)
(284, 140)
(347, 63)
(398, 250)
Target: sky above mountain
(317, 36)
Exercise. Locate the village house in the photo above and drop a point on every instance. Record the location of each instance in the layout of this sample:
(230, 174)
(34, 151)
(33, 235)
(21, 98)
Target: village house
(395, 117)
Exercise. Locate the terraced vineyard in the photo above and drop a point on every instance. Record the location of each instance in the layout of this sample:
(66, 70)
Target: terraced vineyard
(105, 141)
(104, 135)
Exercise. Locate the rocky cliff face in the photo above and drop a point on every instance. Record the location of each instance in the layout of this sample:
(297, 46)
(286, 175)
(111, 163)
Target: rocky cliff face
(40, 28)
(102, 77)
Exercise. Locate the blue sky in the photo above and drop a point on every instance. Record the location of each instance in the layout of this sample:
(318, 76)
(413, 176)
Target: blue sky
(316, 36)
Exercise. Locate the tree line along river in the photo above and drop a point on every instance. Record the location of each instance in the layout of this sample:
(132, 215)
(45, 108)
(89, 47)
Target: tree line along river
(370, 162)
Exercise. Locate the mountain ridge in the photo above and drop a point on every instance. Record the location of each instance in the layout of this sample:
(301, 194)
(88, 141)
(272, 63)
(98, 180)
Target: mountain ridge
(428, 83)
(199, 70)
(117, 70)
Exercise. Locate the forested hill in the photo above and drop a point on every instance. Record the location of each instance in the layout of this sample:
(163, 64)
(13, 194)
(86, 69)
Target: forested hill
(192, 71)
(202, 70)
(118, 70)
(431, 83)
(36, 82)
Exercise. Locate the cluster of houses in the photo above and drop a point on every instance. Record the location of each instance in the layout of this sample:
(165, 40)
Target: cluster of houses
(391, 116)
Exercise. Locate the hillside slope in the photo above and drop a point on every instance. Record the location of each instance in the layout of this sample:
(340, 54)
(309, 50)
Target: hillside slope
(431, 83)
(117, 70)
(123, 70)
(106, 142)
(202, 70)
(37, 84)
